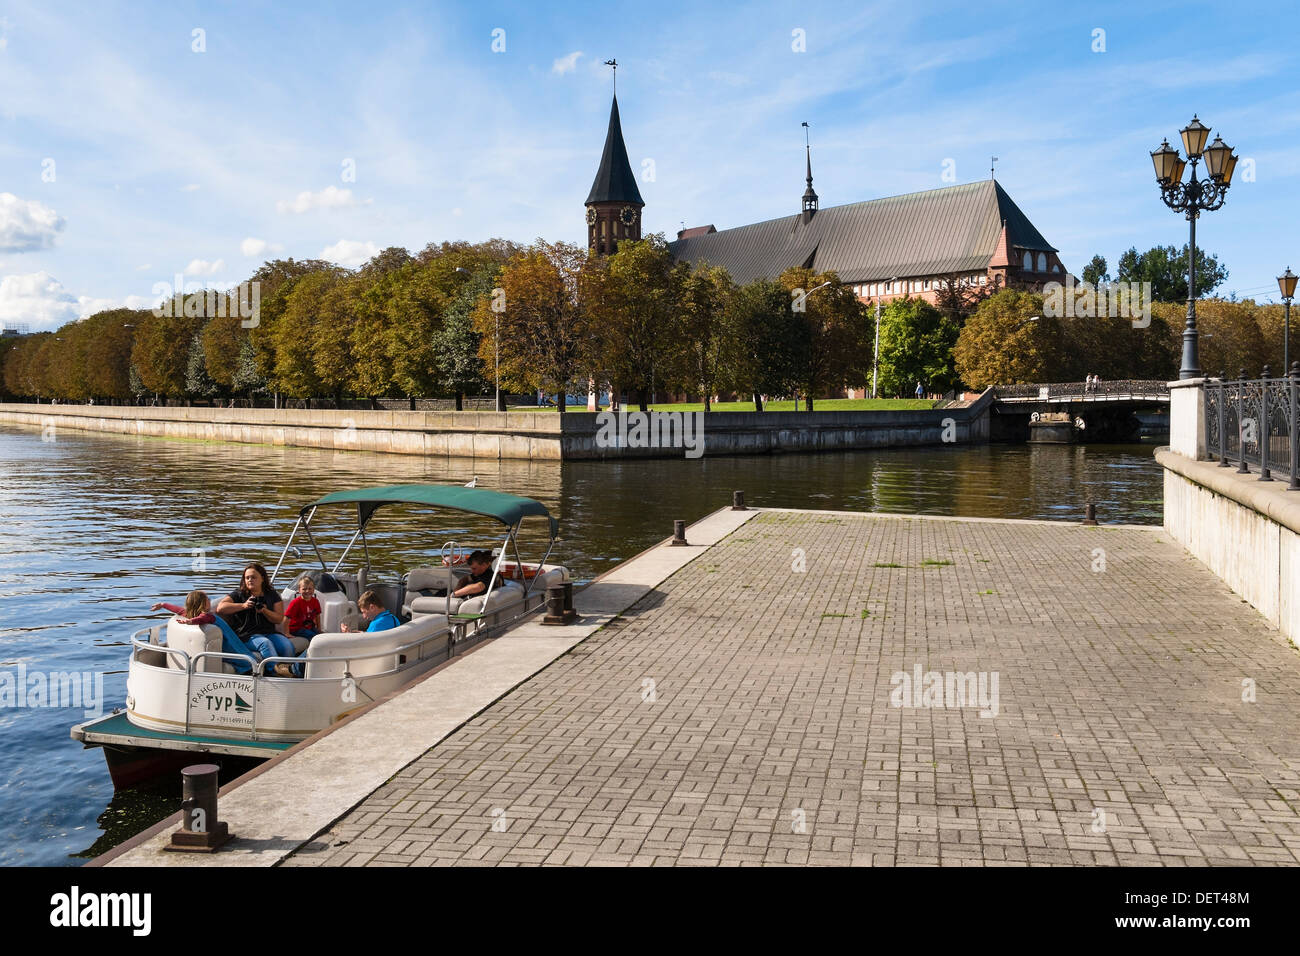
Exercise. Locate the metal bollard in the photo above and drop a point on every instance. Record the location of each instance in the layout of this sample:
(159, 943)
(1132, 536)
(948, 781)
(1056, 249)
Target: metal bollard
(738, 501)
(201, 831)
(1090, 514)
(679, 534)
(559, 604)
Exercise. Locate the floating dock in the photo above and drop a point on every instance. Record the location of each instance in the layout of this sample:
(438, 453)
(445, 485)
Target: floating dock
(798, 687)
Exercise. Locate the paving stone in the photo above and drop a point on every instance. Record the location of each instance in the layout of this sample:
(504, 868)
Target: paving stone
(772, 735)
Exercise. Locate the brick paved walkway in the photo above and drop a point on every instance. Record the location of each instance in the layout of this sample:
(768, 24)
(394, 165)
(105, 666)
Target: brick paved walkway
(1121, 735)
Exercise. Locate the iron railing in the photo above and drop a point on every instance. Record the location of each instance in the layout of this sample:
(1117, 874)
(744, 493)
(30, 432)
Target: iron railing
(1253, 422)
(1082, 391)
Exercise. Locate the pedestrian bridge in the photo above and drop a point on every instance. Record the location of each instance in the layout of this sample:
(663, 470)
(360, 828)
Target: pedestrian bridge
(1076, 411)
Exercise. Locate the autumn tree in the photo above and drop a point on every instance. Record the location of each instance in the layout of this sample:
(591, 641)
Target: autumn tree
(544, 332)
(763, 343)
(1009, 341)
(633, 304)
(834, 327)
(704, 298)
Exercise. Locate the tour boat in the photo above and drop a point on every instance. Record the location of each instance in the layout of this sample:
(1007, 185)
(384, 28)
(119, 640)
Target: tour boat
(185, 697)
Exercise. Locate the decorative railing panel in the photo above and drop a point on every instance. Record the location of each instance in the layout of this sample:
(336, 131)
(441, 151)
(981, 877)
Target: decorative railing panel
(1252, 422)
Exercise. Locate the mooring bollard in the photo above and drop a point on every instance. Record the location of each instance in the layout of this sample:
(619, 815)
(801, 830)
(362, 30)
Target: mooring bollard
(559, 604)
(679, 534)
(1090, 514)
(201, 831)
(738, 501)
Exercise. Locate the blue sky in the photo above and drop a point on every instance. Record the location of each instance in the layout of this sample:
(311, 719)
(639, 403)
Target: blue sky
(167, 160)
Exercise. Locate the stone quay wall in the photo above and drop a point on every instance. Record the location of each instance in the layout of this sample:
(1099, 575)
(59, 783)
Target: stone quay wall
(525, 435)
(1244, 530)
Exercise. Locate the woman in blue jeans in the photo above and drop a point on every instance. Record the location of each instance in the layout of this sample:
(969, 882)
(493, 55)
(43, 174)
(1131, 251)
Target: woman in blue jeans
(253, 613)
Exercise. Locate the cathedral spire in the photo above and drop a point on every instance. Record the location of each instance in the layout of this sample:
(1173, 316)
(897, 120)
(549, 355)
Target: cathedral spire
(809, 194)
(614, 203)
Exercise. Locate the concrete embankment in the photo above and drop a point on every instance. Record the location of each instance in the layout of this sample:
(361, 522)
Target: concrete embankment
(526, 435)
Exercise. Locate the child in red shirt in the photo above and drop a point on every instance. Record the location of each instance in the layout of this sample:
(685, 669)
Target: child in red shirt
(303, 612)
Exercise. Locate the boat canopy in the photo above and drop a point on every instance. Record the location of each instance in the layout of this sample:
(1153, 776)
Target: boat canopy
(508, 509)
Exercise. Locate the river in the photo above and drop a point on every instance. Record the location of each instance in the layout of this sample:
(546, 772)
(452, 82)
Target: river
(95, 528)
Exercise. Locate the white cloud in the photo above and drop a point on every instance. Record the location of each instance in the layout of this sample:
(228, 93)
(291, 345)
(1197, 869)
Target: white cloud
(350, 252)
(144, 268)
(567, 63)
(40, 301)
(201, 267)
(257, 247)
(328, 198)
(37, 300)
(26, 225)
(189, 187)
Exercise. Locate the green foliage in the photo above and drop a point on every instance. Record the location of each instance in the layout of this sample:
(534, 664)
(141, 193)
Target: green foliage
(916, 345)
(1095, 271)
(837, 337)
(198, 383)
(1165, 267)
(764, 341)
(1007, 341)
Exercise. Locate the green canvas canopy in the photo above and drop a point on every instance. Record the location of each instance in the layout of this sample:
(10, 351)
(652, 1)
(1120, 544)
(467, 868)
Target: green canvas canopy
(508, 509)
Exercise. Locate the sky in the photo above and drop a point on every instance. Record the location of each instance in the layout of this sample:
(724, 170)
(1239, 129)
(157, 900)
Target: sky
(143, 141)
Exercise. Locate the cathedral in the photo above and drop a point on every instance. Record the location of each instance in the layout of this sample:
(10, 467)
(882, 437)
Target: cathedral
(884, 248)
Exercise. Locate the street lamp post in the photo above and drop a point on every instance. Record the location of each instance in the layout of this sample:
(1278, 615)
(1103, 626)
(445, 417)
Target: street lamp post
(1286, 282)
(1193, 197)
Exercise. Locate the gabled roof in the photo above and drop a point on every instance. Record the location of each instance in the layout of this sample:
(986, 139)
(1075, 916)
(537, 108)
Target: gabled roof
(614, 180)
(939, 231)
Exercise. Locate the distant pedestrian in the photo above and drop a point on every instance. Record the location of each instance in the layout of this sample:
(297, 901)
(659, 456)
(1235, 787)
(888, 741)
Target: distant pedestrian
(919, 390)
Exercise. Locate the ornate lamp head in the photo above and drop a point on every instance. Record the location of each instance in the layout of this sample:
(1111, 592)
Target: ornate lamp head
(1286, 282)
(1194, 136)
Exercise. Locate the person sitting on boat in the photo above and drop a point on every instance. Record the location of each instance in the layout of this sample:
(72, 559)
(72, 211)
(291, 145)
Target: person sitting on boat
(198, 611)
(480, 567)
(376, 616)
(255, 612)
(303, 612)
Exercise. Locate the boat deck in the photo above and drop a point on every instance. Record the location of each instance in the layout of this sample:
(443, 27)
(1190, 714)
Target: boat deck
(116, 730)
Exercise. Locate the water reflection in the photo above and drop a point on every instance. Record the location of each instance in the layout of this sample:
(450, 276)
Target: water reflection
(97, 527)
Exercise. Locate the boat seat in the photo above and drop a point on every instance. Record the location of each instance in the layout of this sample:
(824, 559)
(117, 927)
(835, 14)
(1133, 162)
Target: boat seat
(325, 650)
(196, 639)
(503, 594)
(422, 590)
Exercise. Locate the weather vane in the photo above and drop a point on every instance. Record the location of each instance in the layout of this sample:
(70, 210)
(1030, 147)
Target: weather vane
(991, 165)
(614, 64)
(806, 128)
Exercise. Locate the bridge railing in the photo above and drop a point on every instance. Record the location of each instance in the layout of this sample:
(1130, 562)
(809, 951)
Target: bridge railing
(1082, 391)
(1253, 422)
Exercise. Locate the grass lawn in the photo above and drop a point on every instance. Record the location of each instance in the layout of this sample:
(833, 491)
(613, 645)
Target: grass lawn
(819, 405)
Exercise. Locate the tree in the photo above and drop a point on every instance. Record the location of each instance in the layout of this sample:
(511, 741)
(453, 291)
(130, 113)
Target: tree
(544, 332)
(298, 335)
(276, 280)
(198, 383)
(763, 342)
(108, 355)
(1230, 336)
(1165, 267)
(161, 348)
(957, 297)
(1095, 271)
(633, 304)
(247, 378)
(1009, 341)
(703, 308)
(834, 327)
(458, 343)
(916, 345)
